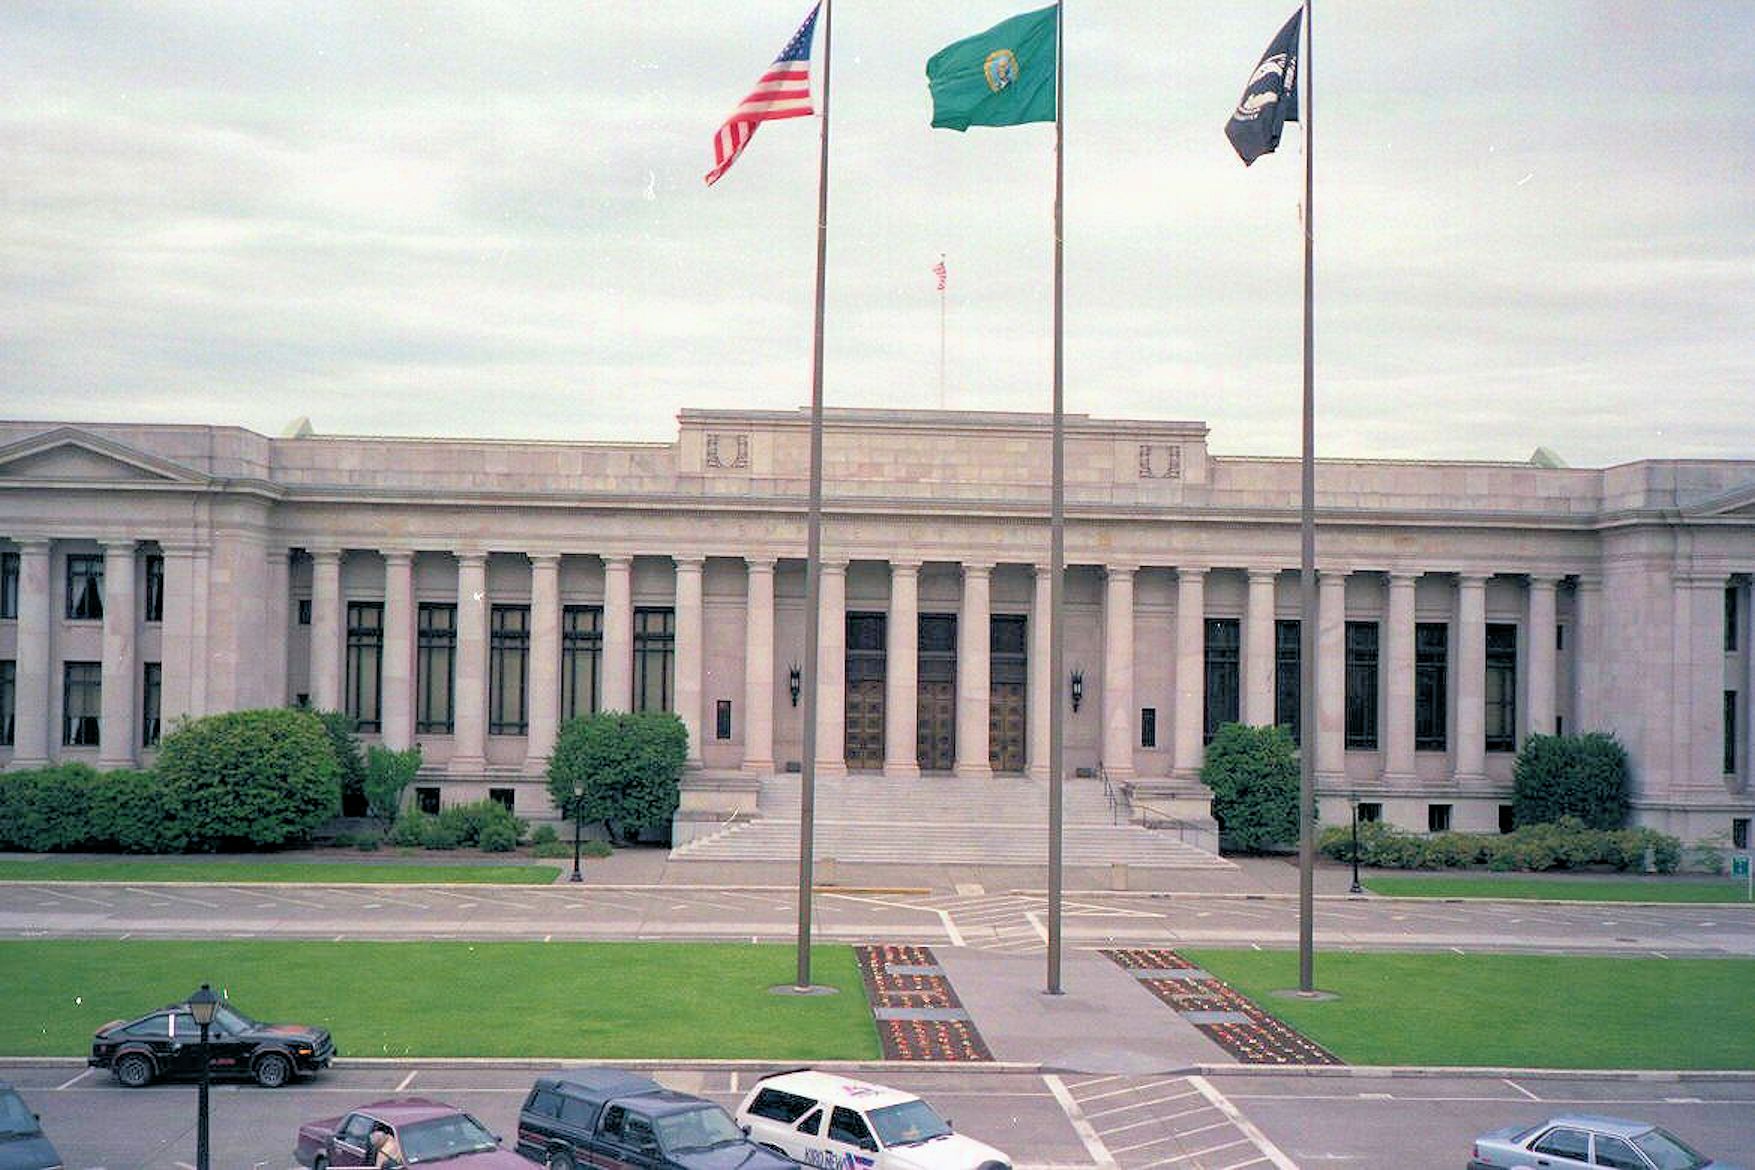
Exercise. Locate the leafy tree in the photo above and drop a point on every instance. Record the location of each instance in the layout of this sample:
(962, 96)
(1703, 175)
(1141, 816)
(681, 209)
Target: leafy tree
(252, 778)
(346, 745)
(387, 775)
(629, 766)
(1253, 772)
(1584, 776)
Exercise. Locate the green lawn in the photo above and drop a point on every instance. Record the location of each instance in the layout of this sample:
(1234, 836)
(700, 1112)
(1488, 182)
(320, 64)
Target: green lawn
(399, 873)
(576, 1000)
(1519, 1010)
(1561, 888)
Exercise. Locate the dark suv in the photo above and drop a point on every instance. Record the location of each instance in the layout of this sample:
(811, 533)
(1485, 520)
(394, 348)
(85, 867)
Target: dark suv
(608, 1117)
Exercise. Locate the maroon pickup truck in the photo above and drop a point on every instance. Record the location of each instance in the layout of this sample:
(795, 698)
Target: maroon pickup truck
(426, 1132)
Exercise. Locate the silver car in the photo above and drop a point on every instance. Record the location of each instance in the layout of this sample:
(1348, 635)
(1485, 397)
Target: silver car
(1586, 1142)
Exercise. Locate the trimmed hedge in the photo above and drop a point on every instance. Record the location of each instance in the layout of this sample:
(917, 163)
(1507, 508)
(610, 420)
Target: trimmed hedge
(1567, 844)
(484, 825)
(252, 778)
(1581, 776)
(1253, 772)
(68, 807)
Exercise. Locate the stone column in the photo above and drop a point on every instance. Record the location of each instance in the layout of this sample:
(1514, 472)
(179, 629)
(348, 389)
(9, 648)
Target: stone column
(1398, 681)
(690, 653)
(326, 664)
(618, 633)
(276, 610)
(1587, 653)
(31, 730)
(469, 727)
(118, 730)
(1544, 655)
(177, 636)
(398, 649)
(758, 669)
(1191, 633)
(1044, 687)
(902, 672)
(1258, 648)
(1471, 677)
(544, 695)
(1331, 678)
(975, 673)
(1118, 674)
(832, 670)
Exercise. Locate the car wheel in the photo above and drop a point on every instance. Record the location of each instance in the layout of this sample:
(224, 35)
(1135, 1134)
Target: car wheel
(560, 1162)
(134, 1070)
(273, 1071)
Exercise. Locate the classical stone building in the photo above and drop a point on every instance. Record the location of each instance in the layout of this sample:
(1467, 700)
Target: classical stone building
(470, 595)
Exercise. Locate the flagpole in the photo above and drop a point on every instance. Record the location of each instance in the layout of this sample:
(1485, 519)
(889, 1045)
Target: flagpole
(1056, 527)
(813, 552)
(1307, 554)
(941, 330)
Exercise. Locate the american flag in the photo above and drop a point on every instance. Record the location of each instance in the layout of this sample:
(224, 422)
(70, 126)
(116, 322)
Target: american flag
(783, 92)
(938, 270)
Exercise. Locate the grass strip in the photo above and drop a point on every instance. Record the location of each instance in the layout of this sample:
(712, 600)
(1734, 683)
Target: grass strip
(1566, 889)
(575, 1000)
(1532, 1011)
(387, 872)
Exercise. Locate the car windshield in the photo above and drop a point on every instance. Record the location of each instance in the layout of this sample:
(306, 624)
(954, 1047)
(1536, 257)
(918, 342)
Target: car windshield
(696, 1129)
(231, 1020)
(1667, 1151)
(907, 1124)
(444, 1137)
(15, 1118)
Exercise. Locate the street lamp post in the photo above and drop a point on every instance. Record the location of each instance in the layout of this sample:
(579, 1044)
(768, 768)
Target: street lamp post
(202, 1005)
(578, 819)
(1356, 888)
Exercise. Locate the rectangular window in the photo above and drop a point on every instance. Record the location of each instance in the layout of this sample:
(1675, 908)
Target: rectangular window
(504, 797)
(1507, 818)
(1431, 686)
(1501, 692)
(85, 588)
(8, 700)
(435, 666)
(8, 586)
(1287, 667)
(654, 659)
(154, 607)
(1730, 733)
(1731, 618)
(427, 800)
(581, 660)
(1362, 686)
(304, 611)
(1438, 818)
(722, 719)
(82, 703)
(1148, 727)
(365, 665)
(1739, 832)
(151, 690)
(1370, 810)
(1223, 678)
(508, 666)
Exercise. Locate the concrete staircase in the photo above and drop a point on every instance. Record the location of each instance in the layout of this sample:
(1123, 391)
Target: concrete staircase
(937, 820)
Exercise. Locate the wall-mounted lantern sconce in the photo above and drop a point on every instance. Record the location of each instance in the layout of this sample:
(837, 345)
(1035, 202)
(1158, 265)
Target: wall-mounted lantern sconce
(1078, 689)
(794, 681)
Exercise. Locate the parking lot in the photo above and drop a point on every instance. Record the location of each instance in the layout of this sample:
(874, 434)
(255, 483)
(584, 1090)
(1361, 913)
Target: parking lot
(1043, 1120)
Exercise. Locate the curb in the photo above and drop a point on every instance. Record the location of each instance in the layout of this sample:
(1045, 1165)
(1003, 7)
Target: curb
(586, 887)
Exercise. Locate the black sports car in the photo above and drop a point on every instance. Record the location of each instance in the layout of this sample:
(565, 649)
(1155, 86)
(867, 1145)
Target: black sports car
(167, 1043)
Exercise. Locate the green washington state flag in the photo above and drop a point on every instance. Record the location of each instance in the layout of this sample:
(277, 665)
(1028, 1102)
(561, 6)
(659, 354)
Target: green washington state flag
(1002, 77)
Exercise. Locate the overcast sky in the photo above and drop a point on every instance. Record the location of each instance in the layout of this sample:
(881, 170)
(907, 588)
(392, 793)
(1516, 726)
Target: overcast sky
(1535, 222)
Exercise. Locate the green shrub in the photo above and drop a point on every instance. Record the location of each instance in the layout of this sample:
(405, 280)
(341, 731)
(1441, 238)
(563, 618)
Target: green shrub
(366, 844)
(1533, 848)
(409, 828)
(497, 837)
(387, 775)
(437, 834)
(252, 778)
(470, 821)
(45, 809)
(1583, 776)
(1253, 774)
(340, 727)
(132, 811)
(1452, 850)
(629, 766)
(544, 835)
(597, 849)
(551, 849)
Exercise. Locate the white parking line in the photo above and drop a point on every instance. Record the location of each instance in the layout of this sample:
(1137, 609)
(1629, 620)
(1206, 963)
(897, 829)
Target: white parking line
(1522, 1090)
(1271, 1151)
(74, 1081)
(1093, 1144)
(408, 1080)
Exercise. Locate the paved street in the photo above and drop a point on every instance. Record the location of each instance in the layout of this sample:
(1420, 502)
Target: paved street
(989, 920)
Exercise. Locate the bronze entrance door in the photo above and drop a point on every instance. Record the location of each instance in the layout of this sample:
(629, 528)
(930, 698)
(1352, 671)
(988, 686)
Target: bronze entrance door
(1008, 670)
(865, 691)
(936, 710)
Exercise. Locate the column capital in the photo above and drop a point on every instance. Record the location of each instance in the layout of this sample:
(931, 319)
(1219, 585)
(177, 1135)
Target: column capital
(978, 568)
(689, 564)
(1120, 572)
(1403, 578)
(1546, 580)
(1192, 572)
(1471, 579)
(398, 556)
(323, 556)
(474, 557)
(1263, 576)
(119, 545)
(837, 568)
(544, 556)
(760, 564)
(906, 568)
(1591, 581)
(617, 560)
(37, 545)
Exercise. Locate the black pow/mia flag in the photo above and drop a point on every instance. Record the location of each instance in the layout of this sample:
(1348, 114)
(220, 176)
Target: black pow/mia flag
(1270, 100)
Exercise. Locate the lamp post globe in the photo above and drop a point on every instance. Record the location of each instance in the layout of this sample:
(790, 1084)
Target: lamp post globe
(202, 1005)
(578, 820)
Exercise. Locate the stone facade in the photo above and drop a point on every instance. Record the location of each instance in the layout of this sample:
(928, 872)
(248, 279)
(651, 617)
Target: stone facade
(1463, 605)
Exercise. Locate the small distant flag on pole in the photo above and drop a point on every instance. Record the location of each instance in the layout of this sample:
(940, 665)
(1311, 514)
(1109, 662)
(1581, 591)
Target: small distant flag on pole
(938, 270)
(1270, 100)
(783, 92)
